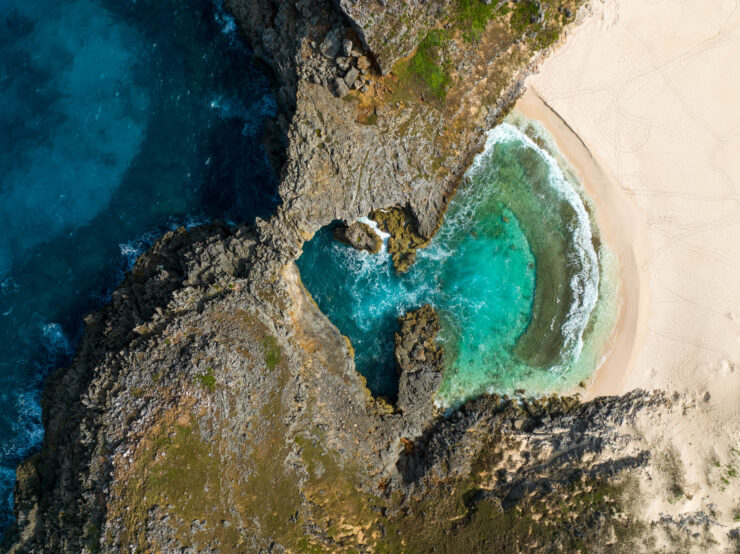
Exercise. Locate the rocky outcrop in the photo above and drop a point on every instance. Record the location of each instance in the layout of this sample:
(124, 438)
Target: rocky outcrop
(359, 235)
(419, 359)
(392, 30)
(404, 239)
(206, 410)
(399, 139)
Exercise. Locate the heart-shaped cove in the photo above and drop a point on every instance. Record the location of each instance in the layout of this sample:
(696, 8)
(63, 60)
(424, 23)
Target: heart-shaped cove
(522, 282)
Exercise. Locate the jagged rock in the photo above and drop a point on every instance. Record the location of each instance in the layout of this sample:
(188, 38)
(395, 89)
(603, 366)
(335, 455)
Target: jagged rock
(359, 235)
(393, 30)
(363, 63)
(340, 87)
(405, 239)
(415, 343)
(351, 77)
(419, 361)
(343, 63)
(331, 46)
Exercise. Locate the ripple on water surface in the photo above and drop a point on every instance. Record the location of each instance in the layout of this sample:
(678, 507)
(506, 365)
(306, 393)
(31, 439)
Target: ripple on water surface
(517, 272)
(118, 120)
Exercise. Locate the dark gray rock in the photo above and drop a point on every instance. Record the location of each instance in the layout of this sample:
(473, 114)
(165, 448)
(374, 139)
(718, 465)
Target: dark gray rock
(340, 87)
(359, 235)
(351, 76)
(330, 46)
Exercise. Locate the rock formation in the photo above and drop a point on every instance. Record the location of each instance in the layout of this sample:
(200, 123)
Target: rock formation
(359, 235)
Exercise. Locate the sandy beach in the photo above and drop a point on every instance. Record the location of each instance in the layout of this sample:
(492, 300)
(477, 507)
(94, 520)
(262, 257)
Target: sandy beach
(644, 100)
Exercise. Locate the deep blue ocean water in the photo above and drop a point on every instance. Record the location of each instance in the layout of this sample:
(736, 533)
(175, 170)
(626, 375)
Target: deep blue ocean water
(119, 119)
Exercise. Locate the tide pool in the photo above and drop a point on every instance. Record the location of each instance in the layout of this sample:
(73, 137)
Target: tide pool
(524, 287)
(118, 121)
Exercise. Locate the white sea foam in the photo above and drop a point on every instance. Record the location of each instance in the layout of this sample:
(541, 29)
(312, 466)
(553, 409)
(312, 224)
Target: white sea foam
(584, 283)
(377, 230)
(56, 340)
(225, 20)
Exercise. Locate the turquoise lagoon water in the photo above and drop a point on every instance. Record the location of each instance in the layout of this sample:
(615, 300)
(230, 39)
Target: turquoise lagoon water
(524, 288)
(119, 119)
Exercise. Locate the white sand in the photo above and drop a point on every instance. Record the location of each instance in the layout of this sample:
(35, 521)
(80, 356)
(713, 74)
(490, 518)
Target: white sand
(644, 99)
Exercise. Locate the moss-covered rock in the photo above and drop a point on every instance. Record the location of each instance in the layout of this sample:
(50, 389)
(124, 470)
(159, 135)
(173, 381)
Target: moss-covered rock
(404, 240)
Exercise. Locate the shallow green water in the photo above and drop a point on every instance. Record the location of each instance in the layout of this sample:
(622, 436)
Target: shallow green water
(516, 273)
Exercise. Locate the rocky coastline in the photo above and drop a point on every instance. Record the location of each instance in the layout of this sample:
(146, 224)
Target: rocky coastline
(211, 406)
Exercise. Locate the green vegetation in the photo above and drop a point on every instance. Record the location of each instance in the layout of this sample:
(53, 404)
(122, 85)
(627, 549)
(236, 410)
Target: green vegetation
(548, 36)
(524, 13)
(404, 240)
(205, 481)
(272, 352)
(472, 18)
(207, 380)
(371, 119)
(724, 473)
(567, 520)
(178, 469)
(428, 67)
(434, 73)
(92, 537)
(332, 491)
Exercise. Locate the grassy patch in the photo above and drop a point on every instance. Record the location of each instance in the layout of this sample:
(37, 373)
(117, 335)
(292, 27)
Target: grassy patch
(426, 74)
(176, 469)
(272, 352)
(331, 490)
(428, 66)
(472, 18)
(548, 36)
(206, 380)
(722, 474)
(523, 14)
(467, 520)
(371, 119)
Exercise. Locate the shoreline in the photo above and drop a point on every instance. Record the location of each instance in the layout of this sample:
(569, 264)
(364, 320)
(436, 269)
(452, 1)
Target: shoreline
(614, 214)
(651, 131)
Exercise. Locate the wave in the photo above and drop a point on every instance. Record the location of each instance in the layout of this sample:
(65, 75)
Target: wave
(56, 342)
(584, 283)
(26, 428)
(377, 230)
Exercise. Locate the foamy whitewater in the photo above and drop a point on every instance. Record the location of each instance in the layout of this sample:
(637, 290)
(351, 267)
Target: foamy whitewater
(524, 287)
(585, 281)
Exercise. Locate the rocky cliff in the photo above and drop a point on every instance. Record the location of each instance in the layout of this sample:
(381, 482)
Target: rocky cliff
(211, 406)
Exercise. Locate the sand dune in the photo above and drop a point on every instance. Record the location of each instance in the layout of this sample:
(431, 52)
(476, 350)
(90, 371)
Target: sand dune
(644, 99)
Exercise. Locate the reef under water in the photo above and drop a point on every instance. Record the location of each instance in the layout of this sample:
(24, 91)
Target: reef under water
(524, 286)
(118, 121)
